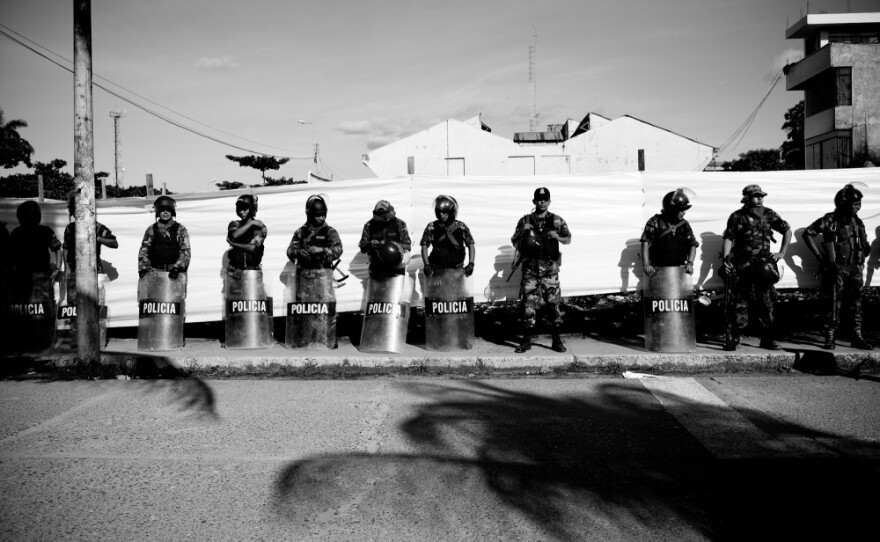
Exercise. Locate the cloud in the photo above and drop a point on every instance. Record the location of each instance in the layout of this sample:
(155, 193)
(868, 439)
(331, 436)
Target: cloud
(216, 63)
(382, 131)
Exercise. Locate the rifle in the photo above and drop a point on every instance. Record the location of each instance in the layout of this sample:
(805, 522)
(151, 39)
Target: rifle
(335, 267)
(517, 261)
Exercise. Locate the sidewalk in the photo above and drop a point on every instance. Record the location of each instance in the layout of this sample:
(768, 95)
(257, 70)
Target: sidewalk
(584, 353)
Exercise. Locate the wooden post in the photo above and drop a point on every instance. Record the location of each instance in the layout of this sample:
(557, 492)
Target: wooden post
(103, 188)
(164, 189)
(88, 348)
(40, 188)
(149, 184)
(641, 159)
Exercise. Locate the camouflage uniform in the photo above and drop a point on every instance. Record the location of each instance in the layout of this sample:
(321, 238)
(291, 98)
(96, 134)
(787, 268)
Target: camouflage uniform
(842, 280)
(540, 276)
(165, 247)
(751, 236)
(670, 242)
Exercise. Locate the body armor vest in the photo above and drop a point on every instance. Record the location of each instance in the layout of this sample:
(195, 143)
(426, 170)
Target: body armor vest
(447, 245)
(318, 238)
(164, 251)
(549, 247)
(241, 259)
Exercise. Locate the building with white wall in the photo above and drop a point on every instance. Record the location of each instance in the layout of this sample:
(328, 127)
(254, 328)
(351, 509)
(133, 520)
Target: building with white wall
(596, 144)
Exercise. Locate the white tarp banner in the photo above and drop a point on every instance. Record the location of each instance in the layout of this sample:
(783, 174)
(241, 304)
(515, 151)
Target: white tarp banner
(606, 215)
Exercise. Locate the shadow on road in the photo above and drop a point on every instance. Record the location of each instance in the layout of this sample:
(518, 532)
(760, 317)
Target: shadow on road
(610, 465)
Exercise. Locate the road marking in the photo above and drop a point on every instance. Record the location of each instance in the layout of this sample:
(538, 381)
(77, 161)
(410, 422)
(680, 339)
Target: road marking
(721, 429)
(60, 418)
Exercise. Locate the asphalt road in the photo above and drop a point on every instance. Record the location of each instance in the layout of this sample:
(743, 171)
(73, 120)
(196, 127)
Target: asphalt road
(708, 458)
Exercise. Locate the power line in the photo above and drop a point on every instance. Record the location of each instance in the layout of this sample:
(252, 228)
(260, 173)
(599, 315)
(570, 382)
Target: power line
(743, 128)
(142, 107)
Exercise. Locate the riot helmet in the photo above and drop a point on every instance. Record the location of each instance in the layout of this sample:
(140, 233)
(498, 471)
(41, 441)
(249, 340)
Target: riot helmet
(316, 206)
(247, 201)
(165, 203)
(28, 213)
(765, 273)
(530, 244)
(849, 198)
(388, 255)
(445, 204)
(677, 201)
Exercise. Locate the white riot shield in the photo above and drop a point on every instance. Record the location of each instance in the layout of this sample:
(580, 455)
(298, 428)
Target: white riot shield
(248, 311)
(161, 311)
(386, 314)
(311, 312)
(449, 311)
(670, 324)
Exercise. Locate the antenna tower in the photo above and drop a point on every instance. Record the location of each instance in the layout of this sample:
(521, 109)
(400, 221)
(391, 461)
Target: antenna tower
(116, 114)
(533, 108)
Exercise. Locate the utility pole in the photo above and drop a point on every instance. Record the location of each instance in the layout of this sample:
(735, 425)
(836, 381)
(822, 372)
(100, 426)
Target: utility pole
(314, 144)
(88, 349)
(533, 108)
(116, 114)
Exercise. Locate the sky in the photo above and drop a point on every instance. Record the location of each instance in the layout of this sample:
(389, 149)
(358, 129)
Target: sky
(364, 73)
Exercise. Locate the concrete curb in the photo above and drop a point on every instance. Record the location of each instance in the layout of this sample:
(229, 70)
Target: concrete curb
(584, 355)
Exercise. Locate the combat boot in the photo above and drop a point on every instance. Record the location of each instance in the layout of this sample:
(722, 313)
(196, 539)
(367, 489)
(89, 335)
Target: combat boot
(829, 339)
(767, 343)
(525, 345)
(558, 345)
(859, 342)
(731, 341)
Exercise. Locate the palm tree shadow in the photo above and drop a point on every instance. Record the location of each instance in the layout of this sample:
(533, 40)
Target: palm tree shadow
(574, 467)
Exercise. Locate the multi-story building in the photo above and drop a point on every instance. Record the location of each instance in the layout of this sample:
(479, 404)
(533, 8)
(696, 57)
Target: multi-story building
(840, 78)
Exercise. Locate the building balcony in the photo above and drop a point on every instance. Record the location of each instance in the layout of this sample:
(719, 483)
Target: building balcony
(797, 74)
(833, 118)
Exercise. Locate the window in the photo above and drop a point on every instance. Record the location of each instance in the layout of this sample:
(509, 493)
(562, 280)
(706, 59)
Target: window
(844, 86)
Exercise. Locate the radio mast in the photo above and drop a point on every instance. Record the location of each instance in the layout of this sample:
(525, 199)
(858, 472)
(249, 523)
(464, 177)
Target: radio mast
(116, 114)
(533, 108)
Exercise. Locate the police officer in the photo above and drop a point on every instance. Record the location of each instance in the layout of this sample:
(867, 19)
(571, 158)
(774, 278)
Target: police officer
(537, 238)
(246, 236)
(448, 239)
(166, 243)
(749, 266)
(103, 237)
(668, 240)
(30, 244)
(386, 240)
(842, 260)
(315, 245)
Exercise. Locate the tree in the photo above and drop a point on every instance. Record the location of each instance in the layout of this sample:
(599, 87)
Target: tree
(793, 147)
(229, 185)
(756, 160)
(14, 149)
(262, 163)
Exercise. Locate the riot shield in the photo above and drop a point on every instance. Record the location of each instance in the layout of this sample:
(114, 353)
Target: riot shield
(65, 317)
(161, 311)
(30, 313)
(248, 310)
(386, 314)
(670, 324)
(311, 313)
(449, 311)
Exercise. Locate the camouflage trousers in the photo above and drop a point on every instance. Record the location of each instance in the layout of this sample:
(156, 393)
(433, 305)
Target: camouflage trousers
(540, 289)
(743, 293)
(841, 288)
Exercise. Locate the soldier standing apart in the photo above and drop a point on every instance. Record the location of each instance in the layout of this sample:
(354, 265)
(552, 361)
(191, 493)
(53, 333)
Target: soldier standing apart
(749, 266)
(103, 236)
(842, 261)
(166, 243)
(246, 236)
(315, 245)
(447, 238)
(385, 239)
(668, 240)
(537, 237)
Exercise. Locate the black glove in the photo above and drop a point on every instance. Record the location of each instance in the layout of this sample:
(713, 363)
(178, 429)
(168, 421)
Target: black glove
(429, 271)
(469, 269)
(143, 272)
(173, 273)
